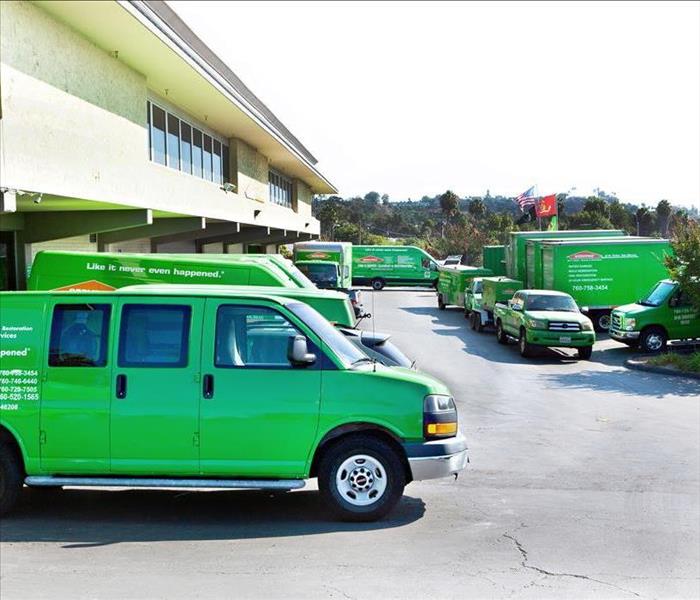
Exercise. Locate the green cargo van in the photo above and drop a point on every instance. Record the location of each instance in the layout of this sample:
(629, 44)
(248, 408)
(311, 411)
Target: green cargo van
(380, 266)
(327, 264)
(71, 271)
(194, 389)
(665, 313)
(453, 280)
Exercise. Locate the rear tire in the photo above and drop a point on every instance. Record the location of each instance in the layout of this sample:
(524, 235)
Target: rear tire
(501, 336)
(584, 353)
(10, 477)
(653, 340)
(361, 478)
(441, 304)
(378, 284)
(472, 321)
(601, 321)
(523, 345)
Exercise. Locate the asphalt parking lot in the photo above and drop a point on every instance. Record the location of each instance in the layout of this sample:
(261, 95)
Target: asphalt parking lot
(583, 483)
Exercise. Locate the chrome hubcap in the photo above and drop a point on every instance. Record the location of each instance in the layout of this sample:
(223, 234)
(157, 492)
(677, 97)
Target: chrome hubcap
(361, 480)
(654, 342)
(604, 322)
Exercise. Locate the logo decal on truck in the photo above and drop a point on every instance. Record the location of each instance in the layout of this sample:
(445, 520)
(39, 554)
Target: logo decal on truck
(319, 255)
(93, 286)
(585, 255)
(371, 259)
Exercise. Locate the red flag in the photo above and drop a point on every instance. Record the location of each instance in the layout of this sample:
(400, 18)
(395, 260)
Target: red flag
(546, 206)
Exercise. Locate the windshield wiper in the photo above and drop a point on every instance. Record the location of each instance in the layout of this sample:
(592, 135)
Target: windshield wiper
(362, 360)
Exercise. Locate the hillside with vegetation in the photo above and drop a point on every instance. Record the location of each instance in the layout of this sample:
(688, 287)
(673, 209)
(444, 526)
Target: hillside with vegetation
(448, 224)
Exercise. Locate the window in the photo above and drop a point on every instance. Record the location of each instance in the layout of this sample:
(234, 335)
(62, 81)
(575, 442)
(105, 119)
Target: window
(173, 142)
(252, 336)
(154, 335)
(206, 157)
(79, 335)
(186, 147)
(158, 135)
(179, 145)
(280, 189)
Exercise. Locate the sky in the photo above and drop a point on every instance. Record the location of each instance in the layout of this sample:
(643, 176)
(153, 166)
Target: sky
(412, 99)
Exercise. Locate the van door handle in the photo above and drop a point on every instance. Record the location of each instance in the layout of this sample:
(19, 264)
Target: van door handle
(121, 386)
(208, 386)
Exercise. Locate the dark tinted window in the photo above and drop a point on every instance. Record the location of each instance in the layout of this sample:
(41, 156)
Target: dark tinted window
(79, 335)
(196, 152)
(173, 142)
(154, 335)
(158, 135)
(206, 157)
(186, 147)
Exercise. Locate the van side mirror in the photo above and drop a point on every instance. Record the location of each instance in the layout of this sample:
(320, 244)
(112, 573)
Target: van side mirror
(298, 352)
(674, 302)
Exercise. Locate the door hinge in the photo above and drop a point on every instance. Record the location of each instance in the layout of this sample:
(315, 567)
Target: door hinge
(195, 440)
(42, 437)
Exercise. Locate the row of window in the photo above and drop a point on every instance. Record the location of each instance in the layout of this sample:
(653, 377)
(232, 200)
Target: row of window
(179, 145)
(158, 336)
(280, 189)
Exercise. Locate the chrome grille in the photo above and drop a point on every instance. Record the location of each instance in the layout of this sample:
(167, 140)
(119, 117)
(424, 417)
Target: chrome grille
(563, 326)
(617, 320)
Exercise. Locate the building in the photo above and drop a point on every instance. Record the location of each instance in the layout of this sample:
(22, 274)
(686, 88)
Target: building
(121, 130)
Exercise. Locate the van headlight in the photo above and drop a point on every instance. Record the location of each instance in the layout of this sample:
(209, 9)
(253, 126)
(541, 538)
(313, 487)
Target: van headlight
(439, 416)
(587, 325)
(630, 324)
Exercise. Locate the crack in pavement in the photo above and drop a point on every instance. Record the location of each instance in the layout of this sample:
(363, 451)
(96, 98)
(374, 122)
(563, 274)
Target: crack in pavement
(524, 563)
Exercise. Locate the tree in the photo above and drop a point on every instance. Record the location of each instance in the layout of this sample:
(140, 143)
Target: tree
(477, 208)
(449, 201)
(684, 265)
(385, 199)
(620, 217)
(644, 220)
(663, 214)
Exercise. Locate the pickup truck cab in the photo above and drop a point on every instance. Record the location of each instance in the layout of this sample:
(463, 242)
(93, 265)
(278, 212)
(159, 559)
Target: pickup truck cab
(544, 318)
(666, 313)
(472, 303)
(195, 388)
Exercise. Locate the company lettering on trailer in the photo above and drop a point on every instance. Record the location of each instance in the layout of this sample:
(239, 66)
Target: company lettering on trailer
(585, 255)
(371, 259)
(93, 286)
(319, 255)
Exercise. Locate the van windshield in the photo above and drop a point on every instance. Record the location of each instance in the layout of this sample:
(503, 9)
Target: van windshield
(478, 287)
(323, 275)
(345, 350)
(658, 294)
(301, 279)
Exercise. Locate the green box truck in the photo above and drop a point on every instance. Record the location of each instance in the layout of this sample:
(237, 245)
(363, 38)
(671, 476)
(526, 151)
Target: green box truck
(601, 274)
(665, 313)
(188, 388)
(516, 256)
(494, 290)
(453, 280)
(494, 258)
(380, 266)
(327, 264)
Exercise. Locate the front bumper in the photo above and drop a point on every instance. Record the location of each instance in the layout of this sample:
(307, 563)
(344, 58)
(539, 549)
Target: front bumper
(623, 336)
(553, 339)
(437, 458)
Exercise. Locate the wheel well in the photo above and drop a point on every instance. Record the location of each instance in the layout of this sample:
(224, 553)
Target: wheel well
(339, 433)
(9, 440)
(648, 327)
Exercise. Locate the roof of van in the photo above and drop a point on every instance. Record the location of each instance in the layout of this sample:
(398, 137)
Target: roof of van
(237, 290)
(607, 240)
(198, 258)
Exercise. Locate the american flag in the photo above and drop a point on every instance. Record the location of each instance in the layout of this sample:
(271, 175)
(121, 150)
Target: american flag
(526, 199)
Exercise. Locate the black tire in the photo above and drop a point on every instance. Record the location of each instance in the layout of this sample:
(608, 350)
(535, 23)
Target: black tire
(441, 304)
(523, 346)
(584, 353)
(653, 340)
(472, 321)
(340, 501)
(501, 336)
(378, 284)
(467, 313)
(601, 321)
(10, 477)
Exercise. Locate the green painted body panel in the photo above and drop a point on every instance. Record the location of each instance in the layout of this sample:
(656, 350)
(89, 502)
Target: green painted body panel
(680, 321)
(602, 274)
(259, 422)
(516, 266)
(472, 297)
(339, 253)
(55, 270)
(513, 321)
(494, 258)
(453, 280)
(396, 265)
(498, 289)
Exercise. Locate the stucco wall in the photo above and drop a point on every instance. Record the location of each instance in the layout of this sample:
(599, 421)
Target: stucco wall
(303, 198)
(74, 125)
(250, 170)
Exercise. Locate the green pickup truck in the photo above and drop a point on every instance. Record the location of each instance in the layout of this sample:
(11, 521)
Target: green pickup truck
(544, 318)
(666, 313)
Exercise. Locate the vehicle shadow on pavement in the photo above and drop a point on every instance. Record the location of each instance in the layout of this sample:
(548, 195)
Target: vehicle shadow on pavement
(84, 518)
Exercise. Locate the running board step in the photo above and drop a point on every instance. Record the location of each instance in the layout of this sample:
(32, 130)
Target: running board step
(157, 482)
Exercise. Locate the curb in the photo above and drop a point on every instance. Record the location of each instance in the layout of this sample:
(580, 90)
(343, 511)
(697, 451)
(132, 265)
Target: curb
(638, 365)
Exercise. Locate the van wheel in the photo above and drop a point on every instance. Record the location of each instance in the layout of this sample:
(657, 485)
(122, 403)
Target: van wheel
(10, 478)
(525, 348)
(361, 478)
(378, 284)
(441, 304)
(653, 340)
(472, 321)
(601, 321)
(467, 313)
(584, 353)
(501, 336)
